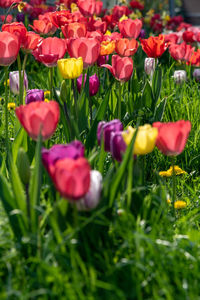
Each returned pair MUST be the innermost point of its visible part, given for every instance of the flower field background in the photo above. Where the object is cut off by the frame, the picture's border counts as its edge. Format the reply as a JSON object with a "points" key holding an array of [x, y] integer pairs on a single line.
{"points": [[99, 152]]}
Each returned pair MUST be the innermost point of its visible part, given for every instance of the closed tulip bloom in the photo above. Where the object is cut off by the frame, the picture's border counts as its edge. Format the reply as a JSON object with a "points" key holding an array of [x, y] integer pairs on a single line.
{"points": [[172, 136], [180, 76], [17, 29], [72, 177], [34, 95], [9, 48], [126, 47], [196, 74], [117, 145], [74, 30], [130, 28], [145, 139], [122, 67], [14, 82], [87, 48], [43, 27], [154, 46], [104, 131], [91, 199], [70, 68], [50, 50], [93, 84], [181, 51], [87, 8], [73, 150], [149, 65], [39, 116]]}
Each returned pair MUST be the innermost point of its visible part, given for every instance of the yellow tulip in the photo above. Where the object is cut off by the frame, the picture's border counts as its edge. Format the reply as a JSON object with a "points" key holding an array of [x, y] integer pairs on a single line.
{"points": [[145, 139], [70, 68]]}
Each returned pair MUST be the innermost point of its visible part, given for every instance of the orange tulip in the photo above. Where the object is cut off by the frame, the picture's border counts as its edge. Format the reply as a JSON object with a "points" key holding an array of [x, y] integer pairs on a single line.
{"points": [[154, 46], [107, 47], [74, 30], [126, 47]]}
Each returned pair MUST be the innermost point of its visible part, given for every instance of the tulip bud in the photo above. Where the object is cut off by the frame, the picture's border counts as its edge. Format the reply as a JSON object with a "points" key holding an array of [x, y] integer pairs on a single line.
{"points": [[63, 91], [23, 166], [93, 84], [91, 199], [196, 74], [149, 65], [180, 76], [14, 82], [34, 95], [117, 145]]}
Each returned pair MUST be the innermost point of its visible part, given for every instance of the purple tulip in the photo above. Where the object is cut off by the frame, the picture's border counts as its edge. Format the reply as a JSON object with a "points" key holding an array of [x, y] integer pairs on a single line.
{"points": [[14, 82], [102, 60], [196, 74], [91, 199], [74, 150], [20, 17], [34, 95], [117, 145], [93, 84], [105, 129], [142, 34]]}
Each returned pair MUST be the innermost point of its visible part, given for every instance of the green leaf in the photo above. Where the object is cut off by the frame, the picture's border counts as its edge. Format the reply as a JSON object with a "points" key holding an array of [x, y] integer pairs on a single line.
{"points": [[159, 110], [35, 185], [147, 96], [18, 142], [156, 84]]}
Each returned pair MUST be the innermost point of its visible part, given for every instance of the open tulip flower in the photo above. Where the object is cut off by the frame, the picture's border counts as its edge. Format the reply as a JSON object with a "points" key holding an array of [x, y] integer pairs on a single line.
{"points": [[126, 47], [122, 67], [145, 139], [70, 68], [154, 46], [74, 30], [39, 117], [16, 28], [172, 136]]}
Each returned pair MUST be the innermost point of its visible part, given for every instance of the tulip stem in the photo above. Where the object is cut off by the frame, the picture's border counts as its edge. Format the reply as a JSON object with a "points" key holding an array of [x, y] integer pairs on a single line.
{"points": [[6, 109], [90, 106], [51, 82], [75, 99], [119, 101], [173, 183], [20, 80]]}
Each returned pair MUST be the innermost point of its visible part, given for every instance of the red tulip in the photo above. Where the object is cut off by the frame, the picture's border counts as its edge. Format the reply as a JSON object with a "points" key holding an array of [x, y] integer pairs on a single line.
{"points": [[97, 25], [72, 177], [87, 8], [44, 27], [31, 41], [181, 52], [86, 48], [122, 68], [50, 50], [95, 35], [126, 47], [74, 30], [9, 48], [17, 29], [37, 116], [172, 136], [130, 28], [154, 46], [189, 36], [60, 18], [119, 11]]}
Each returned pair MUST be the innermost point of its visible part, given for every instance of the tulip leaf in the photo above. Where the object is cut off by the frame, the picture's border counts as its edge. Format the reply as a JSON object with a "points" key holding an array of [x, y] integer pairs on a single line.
{"points": [[19, 140], [91, 137], [10, 206], [35, 185], [156, 84], [159, 110], [116, 181], [147, 96]]}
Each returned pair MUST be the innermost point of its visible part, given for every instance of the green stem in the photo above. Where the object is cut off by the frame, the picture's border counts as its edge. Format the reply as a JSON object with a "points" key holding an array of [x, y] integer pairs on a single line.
{"points": [[75, 100], [6, 109], [119, 101], [23, 71], [20, 80], [90, 106], [51, 82], [173, 183]]}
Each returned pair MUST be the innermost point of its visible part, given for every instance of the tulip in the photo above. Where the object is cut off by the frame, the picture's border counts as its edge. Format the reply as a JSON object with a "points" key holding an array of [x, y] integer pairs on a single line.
{"points": [[102, 60], [87, 48], [130, 28], [154, 46], [122, 68], [74, 30], [107, 47], [34, 95], [180, 76], [117, 145], [50, 50], [196, 74], [189, 36], [104, 131], [172, 136], [14, 82], [18, 29], [91, 199], [95, 35], [87, 8], [39, 117], [72, 177], [126, 47], [44, 27], [145, 139], [181, 52], [9, 48], [149, 65], [93, 84], [70, 68], [31, 42], [73, 150]]}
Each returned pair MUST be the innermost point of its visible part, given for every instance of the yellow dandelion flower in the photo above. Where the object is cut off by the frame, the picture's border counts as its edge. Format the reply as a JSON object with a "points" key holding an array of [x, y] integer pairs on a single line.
{"points": [[46, 100], [11, 106], [180, 204], [169, 173], [168, 201], [47, 94], [8, 82]]}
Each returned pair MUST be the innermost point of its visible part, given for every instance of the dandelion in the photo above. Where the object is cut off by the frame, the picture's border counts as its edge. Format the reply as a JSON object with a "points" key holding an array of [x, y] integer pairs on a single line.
{"points": [[11, 106], [180, 204], [46, 94], [46, 100], [169, 173]]}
